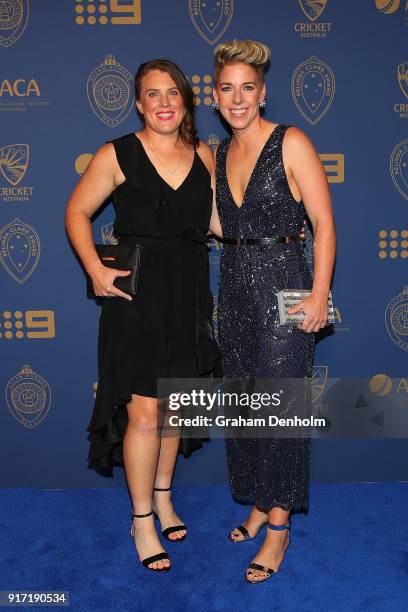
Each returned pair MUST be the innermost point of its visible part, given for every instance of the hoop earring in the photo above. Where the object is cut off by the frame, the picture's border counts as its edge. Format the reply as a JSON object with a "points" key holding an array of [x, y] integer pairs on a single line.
{"points": [[214, 104], [262, 104]]}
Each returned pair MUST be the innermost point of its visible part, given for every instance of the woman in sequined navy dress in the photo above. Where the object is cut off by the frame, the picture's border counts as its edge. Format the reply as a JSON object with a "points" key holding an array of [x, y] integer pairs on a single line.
{"points": [[268, 176]]}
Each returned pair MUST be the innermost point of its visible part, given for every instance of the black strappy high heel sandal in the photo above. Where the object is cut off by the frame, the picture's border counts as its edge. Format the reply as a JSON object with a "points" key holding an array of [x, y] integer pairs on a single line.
{"points": [[169, 530], [260, 568], [244, 531], [159, 557]]}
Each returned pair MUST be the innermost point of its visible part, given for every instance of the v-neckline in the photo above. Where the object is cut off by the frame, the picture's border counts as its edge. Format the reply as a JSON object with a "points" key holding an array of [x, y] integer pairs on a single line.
{"points": [[158, 173], [253, 169]]}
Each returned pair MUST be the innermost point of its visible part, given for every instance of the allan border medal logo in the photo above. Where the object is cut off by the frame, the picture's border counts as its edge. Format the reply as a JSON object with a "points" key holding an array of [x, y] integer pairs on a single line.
{"points": [[110, 92], [19, 249], [313, 86], [396, 319], [211, 18], [399, 167], [28, 397], [13, 20]]}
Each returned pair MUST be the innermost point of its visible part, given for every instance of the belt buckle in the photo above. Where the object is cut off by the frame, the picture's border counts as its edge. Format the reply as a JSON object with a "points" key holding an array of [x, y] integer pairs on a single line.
{"points": [[239, 241]]}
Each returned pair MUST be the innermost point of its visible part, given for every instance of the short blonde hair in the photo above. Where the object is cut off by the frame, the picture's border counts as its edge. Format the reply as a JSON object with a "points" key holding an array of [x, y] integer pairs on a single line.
{"points": [[250, 52]]}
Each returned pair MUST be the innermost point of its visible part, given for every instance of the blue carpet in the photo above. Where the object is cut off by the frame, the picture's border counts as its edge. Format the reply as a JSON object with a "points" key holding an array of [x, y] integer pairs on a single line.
{"points": [[350, 553]]}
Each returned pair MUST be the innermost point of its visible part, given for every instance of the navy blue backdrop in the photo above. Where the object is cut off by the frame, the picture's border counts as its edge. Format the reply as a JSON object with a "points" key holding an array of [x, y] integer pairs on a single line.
{"points": [[339, 71]]}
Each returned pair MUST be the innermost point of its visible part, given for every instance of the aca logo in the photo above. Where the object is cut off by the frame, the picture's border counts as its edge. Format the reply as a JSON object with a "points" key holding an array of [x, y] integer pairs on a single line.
{"points": [[211, 18], [213, 141], [199, 88], [13, 166], [20, 94], [115, 12], [19, 249], [382, 385], [402, 76], [28, 397], [31, 324], [393, 244], [110, 91], [313, 86], [399, 167], [313, 9], [82, 162], [13, 20], [396, 319]]}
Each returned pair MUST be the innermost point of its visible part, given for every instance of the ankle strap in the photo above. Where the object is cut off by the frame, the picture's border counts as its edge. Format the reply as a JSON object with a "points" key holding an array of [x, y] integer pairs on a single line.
{"points": [[277, 527], [141, 515], [158, 489]]}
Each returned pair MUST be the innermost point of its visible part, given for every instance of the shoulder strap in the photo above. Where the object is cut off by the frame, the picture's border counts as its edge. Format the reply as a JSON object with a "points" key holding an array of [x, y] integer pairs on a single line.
{"points": [[127, 153]]}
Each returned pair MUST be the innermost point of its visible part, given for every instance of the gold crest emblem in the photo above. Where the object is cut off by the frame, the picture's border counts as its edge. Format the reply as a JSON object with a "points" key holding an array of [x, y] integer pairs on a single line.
{"points": [[313, 86], [402, 74], [28, 397], [396, 319], [211, 18], [19, 249], [13, 20], [313, 8], [14, 162], [110, 91]]}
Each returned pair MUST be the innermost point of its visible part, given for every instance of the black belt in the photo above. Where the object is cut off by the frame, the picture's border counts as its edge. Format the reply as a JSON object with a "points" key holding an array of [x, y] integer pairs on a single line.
{"points": [[267, 241]]}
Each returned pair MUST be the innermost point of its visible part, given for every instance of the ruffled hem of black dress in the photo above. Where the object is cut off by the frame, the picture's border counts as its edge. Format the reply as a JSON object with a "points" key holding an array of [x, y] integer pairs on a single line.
{"points": [[109, 420]]}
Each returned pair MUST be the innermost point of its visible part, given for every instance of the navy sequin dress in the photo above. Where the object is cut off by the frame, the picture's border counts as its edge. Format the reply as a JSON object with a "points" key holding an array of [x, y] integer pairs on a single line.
{"points": [[271, 471]]}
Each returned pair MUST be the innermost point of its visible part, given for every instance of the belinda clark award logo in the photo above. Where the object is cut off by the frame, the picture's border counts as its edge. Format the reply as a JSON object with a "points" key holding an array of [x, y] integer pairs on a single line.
{"points": [[313, 86], [19, 249], [110, 91], [211, 18]]}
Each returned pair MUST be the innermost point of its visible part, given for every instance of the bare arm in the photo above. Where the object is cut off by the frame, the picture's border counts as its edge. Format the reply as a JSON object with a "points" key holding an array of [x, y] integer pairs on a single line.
{"points": [[305, 168], [99, 180], [207, 157]]}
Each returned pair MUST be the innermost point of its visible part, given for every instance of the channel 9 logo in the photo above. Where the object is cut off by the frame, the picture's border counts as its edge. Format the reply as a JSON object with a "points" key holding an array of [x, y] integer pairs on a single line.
{"points": [[104, 12], [31, 324]]}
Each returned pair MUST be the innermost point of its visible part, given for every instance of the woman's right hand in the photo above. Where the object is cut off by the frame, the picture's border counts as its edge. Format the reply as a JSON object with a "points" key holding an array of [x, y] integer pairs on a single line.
{"points": [[102, 281]]}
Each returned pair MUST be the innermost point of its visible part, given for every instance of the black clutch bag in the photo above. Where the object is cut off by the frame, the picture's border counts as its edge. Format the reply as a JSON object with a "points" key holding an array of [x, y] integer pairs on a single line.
{"points": [[120, 257]]}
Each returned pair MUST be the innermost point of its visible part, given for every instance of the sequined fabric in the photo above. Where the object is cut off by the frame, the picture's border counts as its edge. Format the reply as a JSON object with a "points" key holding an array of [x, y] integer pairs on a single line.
{"points": [[272, 471]]}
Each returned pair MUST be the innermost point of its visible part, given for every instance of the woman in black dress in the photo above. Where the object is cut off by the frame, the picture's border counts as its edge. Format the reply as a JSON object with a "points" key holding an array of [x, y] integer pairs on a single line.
{"points": [[160, 181], [268, 176]]}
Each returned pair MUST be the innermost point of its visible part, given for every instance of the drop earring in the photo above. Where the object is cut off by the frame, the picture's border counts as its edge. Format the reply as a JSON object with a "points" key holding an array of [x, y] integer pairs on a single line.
{"points": [[214, 104], [262, 104]]}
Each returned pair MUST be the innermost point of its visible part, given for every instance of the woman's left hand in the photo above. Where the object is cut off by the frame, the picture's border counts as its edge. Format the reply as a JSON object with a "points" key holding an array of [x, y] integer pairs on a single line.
{"points": [[316, 312]]}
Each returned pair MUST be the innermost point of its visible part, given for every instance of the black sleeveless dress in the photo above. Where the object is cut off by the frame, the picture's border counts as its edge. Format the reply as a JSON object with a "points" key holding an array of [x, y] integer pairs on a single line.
{"points": [[270, 471], [166, 330]]}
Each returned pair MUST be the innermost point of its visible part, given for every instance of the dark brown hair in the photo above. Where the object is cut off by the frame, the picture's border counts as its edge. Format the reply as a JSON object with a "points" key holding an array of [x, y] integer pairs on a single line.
{"points": [[187, 128]]}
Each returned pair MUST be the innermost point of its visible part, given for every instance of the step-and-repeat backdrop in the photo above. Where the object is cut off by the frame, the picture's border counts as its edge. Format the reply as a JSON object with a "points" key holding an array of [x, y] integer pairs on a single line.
{"points": [[339, 71]]}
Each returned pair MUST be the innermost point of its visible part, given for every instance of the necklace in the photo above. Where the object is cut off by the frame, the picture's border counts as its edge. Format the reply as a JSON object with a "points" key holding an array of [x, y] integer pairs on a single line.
{"points": [[162, 163]]}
